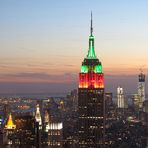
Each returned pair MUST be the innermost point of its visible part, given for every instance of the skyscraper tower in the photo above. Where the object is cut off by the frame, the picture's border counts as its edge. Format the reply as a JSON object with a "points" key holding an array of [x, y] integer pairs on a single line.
{"points": [[141, 88], [10, 128], [91, 99], [38, 116], [120, 98]]}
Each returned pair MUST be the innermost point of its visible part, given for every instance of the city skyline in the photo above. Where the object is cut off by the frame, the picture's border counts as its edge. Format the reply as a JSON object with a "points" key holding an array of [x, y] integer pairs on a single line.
{"points": [[43, 44]]}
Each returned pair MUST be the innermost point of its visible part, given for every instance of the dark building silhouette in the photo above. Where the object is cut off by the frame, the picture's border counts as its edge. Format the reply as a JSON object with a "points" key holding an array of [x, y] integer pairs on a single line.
{"points": [[91, 99], [25, 131]]}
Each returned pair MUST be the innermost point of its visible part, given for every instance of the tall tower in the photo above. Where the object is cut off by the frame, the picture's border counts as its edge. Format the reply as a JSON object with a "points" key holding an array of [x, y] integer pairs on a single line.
{"points": [[91, 99], [141, 88], [120, 98], [38, 116]]}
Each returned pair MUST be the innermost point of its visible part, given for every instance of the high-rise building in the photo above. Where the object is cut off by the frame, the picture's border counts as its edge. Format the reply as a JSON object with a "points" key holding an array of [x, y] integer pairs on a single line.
{"points": [[10, 130], [141, 88], [120, 98], [55, 135], [38, 116], [38, 126], [91, 99], [25, 131], [53, 132]]}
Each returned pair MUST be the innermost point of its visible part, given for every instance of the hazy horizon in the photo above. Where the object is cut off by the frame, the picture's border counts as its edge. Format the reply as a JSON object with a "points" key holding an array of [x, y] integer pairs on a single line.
{"points": [[128, 82]]}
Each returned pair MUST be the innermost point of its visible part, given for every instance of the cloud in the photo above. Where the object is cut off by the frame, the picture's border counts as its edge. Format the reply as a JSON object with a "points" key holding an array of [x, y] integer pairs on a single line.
{"points": [[56, 88], [44, 82], [38, 77]]}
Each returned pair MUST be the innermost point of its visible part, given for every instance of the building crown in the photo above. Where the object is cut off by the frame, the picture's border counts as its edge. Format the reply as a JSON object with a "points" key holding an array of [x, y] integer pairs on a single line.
{"points": [[91, 51], [10, 124]]}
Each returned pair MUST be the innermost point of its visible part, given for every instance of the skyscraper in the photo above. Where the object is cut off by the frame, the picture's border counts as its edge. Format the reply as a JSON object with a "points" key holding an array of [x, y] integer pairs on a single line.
{"points": [[38, 126], [91, 99], [55, 134], [10, 131], [141, 88], [120, 98]]}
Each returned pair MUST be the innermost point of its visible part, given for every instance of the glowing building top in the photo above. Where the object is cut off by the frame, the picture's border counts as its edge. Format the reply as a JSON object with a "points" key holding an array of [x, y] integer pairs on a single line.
{"points": [[38, 115], [10, 124], [56, 126], [91, 51], [91, 70], [91, 99]]}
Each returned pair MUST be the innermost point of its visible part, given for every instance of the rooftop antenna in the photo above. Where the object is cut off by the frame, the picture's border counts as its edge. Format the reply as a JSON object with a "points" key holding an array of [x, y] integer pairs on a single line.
{"points": [[91, 28]]}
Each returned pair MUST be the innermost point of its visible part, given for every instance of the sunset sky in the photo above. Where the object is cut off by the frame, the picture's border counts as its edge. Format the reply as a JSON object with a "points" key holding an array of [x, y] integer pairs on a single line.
{"points": [[43, 42]]}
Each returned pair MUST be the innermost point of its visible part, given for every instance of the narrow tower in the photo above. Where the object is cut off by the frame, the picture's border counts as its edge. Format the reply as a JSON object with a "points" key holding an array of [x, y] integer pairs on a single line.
{"points": [[91, 99], [38, 116], [120, 98], [141, 88]]}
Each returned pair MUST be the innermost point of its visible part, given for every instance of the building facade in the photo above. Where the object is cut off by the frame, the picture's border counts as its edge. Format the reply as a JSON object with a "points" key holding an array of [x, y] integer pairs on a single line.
{"points": [[10, 128], [55, 135]]}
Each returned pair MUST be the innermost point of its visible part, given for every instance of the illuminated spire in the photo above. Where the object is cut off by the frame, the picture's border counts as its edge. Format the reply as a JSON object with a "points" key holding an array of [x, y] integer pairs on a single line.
{"points": [[10, 124], [91, 28], [38, 115], [91, 52]]}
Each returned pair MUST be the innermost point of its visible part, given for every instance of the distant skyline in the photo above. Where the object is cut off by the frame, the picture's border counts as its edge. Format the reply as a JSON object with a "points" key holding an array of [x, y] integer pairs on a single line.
{"points": [[43, 43]]}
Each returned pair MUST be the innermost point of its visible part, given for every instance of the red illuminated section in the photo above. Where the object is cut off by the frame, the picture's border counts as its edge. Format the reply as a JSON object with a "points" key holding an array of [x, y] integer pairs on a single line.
{"points": [[91, 80]]}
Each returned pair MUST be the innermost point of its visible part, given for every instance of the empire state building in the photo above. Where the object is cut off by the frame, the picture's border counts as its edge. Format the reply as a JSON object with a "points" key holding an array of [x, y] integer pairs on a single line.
{"points": [[91, 99]]}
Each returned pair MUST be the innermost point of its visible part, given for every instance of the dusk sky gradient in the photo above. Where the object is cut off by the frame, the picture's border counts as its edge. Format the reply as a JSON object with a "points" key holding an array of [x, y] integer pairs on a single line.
{"points": [[43, 42]]}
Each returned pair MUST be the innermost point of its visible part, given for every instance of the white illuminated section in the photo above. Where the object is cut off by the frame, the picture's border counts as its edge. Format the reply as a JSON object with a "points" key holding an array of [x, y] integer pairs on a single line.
{"points": [[54, 126], [120, 97]]}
